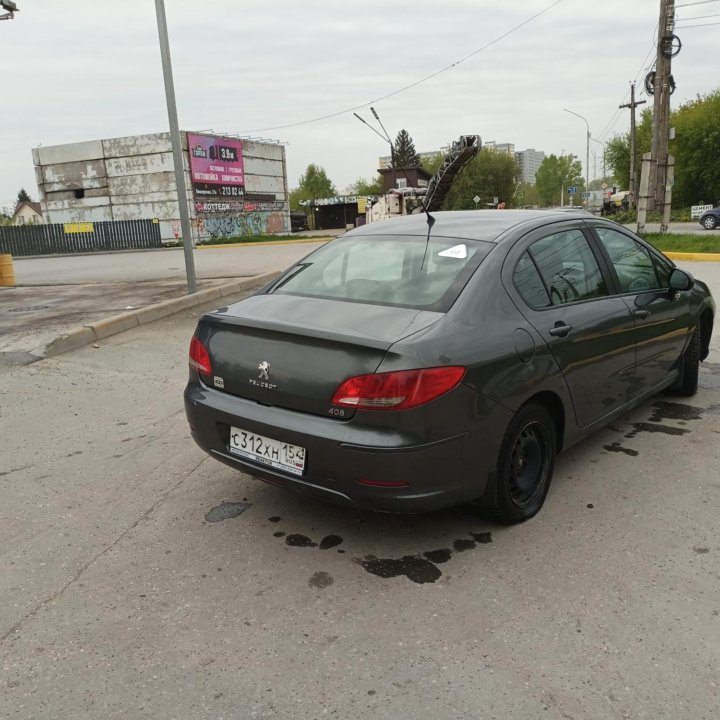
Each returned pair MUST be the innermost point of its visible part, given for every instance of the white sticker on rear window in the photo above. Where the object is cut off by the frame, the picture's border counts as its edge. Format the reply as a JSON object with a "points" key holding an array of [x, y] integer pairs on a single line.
{"points": [[456, 251]]}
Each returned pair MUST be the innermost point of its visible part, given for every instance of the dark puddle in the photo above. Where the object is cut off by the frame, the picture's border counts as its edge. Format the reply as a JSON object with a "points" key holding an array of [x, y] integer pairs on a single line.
{"points": [[321, 580], [674, 411], [296, 540], [330, 541], [422, 568], [226, 510], [639, 427], [617, 447]]}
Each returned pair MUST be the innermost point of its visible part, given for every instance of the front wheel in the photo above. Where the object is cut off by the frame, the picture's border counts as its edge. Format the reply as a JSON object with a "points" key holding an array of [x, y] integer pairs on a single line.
{"points": [[525, 464], [710, 222]]}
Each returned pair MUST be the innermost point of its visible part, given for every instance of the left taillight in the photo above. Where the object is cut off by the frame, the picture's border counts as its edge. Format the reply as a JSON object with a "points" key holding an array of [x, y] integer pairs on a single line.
{"points": [[200, 358], [399, 390]]}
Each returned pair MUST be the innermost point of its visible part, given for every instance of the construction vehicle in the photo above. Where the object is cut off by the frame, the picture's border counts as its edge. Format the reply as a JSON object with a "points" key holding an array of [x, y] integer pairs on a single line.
{"points": [[406, 201]]}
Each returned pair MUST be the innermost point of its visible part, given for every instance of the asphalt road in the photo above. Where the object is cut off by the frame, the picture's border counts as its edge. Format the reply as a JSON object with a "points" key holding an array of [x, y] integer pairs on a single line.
{"points": [[141, 579]]}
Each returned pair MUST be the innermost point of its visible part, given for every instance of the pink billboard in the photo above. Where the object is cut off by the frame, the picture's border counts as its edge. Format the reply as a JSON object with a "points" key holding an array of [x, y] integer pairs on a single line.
{"points": [[216, 166]]}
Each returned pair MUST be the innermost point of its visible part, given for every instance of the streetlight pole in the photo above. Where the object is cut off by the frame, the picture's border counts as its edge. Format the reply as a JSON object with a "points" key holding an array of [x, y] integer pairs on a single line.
{"points": [[587, 148], [176, 145]]}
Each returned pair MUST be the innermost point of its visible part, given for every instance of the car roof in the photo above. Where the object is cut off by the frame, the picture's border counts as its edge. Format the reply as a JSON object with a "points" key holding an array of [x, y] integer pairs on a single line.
{"points": [[487, 225]]}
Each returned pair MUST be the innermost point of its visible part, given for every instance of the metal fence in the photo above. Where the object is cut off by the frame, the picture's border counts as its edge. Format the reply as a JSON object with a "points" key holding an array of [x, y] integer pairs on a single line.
{"points": [[81, 237]]}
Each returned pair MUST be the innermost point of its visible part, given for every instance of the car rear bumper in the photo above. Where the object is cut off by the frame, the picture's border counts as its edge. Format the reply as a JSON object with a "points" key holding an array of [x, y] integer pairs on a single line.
{"points": [[450, 468]]}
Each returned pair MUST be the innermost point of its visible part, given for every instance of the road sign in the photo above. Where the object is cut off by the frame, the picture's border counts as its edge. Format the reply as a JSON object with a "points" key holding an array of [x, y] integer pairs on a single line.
{"points": [[586, 195], [476, 199], [572, 190], [604, 186]]}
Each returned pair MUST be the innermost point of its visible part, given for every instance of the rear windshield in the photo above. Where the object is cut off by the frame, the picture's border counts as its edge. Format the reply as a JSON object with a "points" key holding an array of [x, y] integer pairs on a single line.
{"points": [[388, 270]]}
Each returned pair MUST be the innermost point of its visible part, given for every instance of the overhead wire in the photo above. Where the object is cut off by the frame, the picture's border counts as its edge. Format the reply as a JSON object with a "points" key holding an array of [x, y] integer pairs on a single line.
{"points": [[413, 84], [685, 27]]}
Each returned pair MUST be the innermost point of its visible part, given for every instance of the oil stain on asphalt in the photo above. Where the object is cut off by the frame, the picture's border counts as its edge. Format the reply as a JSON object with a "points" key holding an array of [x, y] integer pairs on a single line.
{"points": [[226, 510]]}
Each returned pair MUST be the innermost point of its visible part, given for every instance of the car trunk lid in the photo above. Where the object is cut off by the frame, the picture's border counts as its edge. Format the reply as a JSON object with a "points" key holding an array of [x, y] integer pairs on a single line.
{"points": [[293, 352]]}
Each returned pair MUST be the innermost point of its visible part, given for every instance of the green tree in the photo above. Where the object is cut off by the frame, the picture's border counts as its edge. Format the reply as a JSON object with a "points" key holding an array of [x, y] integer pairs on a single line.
{"points": [[555, 175], [488, 175], [313, 184], [617, 151], [368, 187], [432, 164], [696, 148], [23, 196], [526, 195], [404, 151]]}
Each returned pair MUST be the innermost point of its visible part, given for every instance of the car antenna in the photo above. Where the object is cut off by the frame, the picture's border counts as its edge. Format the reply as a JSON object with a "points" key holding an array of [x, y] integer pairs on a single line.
{"points": [[430, 218]]}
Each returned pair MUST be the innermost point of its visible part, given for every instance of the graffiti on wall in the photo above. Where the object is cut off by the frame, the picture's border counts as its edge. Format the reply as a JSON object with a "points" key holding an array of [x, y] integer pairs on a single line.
{"points": [[231, 219]]}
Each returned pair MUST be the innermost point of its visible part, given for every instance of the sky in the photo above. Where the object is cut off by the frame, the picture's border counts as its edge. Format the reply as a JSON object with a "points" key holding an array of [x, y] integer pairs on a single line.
{"points": [[91, 69]]}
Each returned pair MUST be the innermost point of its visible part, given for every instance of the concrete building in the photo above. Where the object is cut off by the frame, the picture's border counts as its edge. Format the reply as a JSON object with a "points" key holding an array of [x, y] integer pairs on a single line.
{"points": [[234, 187], [507, 148], [529, 162]]}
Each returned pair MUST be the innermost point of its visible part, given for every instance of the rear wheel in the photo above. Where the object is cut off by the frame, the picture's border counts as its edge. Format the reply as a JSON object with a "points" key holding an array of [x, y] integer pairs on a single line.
{"points": [[710, 222], [525, 464], [687, 381]]}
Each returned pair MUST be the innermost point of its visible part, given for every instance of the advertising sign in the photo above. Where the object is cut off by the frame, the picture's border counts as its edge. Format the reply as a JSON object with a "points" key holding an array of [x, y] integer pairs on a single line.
{"points": [[216, 166]]}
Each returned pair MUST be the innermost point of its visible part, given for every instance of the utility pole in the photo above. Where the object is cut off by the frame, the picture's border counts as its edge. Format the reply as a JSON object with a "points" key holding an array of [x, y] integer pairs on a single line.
{"points": [[661, 111], [633, 153]]}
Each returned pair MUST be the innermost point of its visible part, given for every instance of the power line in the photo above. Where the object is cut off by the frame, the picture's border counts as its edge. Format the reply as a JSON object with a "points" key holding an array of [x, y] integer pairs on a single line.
{"points": [[699, 17], [411, 85], [700, 2], [616, 115], [684, 27]]}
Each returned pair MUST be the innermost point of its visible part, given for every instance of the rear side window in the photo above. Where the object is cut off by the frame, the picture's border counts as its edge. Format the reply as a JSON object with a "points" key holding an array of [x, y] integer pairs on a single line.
{"points": [[388, 270], [633, 263], [568, 267], [529, 284]]}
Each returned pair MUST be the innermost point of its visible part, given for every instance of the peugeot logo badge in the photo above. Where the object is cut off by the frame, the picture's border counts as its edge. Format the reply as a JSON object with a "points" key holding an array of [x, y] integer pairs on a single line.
{"points": [[264, 368]]}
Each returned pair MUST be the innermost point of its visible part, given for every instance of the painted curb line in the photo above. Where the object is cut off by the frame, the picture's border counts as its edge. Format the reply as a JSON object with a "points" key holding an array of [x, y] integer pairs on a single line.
{"points": [[101, 329], [697, 257]]}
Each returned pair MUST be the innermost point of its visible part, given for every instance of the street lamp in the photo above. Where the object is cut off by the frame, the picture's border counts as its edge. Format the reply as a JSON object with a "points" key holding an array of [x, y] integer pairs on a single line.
{"points": [[587, 148], [176, 145], [604, 147]]}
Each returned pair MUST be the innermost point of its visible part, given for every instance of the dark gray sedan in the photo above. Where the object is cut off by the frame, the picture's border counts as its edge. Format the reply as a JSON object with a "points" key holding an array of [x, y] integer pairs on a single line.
{"points": [[405, 367]]}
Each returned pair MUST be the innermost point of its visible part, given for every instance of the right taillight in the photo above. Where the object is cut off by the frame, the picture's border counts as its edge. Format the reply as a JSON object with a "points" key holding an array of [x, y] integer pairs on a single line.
{"points": [[200, 358], [399, 390]]}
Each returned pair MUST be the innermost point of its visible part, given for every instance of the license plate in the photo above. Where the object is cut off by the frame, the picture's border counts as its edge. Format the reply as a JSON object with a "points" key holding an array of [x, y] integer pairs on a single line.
{"points": [[266, 451]]}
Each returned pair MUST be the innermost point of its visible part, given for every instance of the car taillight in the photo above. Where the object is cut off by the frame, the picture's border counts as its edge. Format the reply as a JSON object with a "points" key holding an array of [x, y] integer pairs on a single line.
{"points": [[199, 357], [398, 390]]}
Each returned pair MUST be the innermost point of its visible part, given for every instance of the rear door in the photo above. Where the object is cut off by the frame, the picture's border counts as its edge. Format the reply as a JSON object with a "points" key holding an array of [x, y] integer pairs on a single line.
{"points": [[562, 290]]}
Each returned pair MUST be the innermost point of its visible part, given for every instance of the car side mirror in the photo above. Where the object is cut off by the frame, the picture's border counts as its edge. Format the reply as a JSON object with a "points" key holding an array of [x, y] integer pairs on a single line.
{"points": [[681, 280]]}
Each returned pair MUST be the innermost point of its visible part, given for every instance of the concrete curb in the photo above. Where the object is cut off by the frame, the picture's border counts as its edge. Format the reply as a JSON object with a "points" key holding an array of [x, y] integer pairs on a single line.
{"points": [[697, 257], [299, 241], [86, 334]]}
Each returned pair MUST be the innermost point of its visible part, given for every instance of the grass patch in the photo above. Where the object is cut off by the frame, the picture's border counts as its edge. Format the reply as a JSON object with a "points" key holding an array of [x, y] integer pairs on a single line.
{"points": [[671, 242]]}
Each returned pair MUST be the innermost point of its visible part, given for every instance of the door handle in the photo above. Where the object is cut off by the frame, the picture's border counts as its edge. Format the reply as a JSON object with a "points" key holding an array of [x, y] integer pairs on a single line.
{"points": [[641, 313], [560, 329]]}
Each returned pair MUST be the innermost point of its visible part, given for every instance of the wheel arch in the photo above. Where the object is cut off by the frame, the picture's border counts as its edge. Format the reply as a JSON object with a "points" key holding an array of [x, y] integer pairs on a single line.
{"points": [[554, 406], [706, 328]]}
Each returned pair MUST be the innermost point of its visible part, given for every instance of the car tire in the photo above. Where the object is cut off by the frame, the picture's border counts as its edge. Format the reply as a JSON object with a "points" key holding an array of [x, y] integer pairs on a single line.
{"points": [[525, 465], [710, 222], [687, 381]]}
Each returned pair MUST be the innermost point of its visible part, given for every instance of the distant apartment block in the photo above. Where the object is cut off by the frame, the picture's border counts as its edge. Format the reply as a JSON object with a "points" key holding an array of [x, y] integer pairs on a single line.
{"points": [[385, 160], [529, 162], [507, 148]]}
